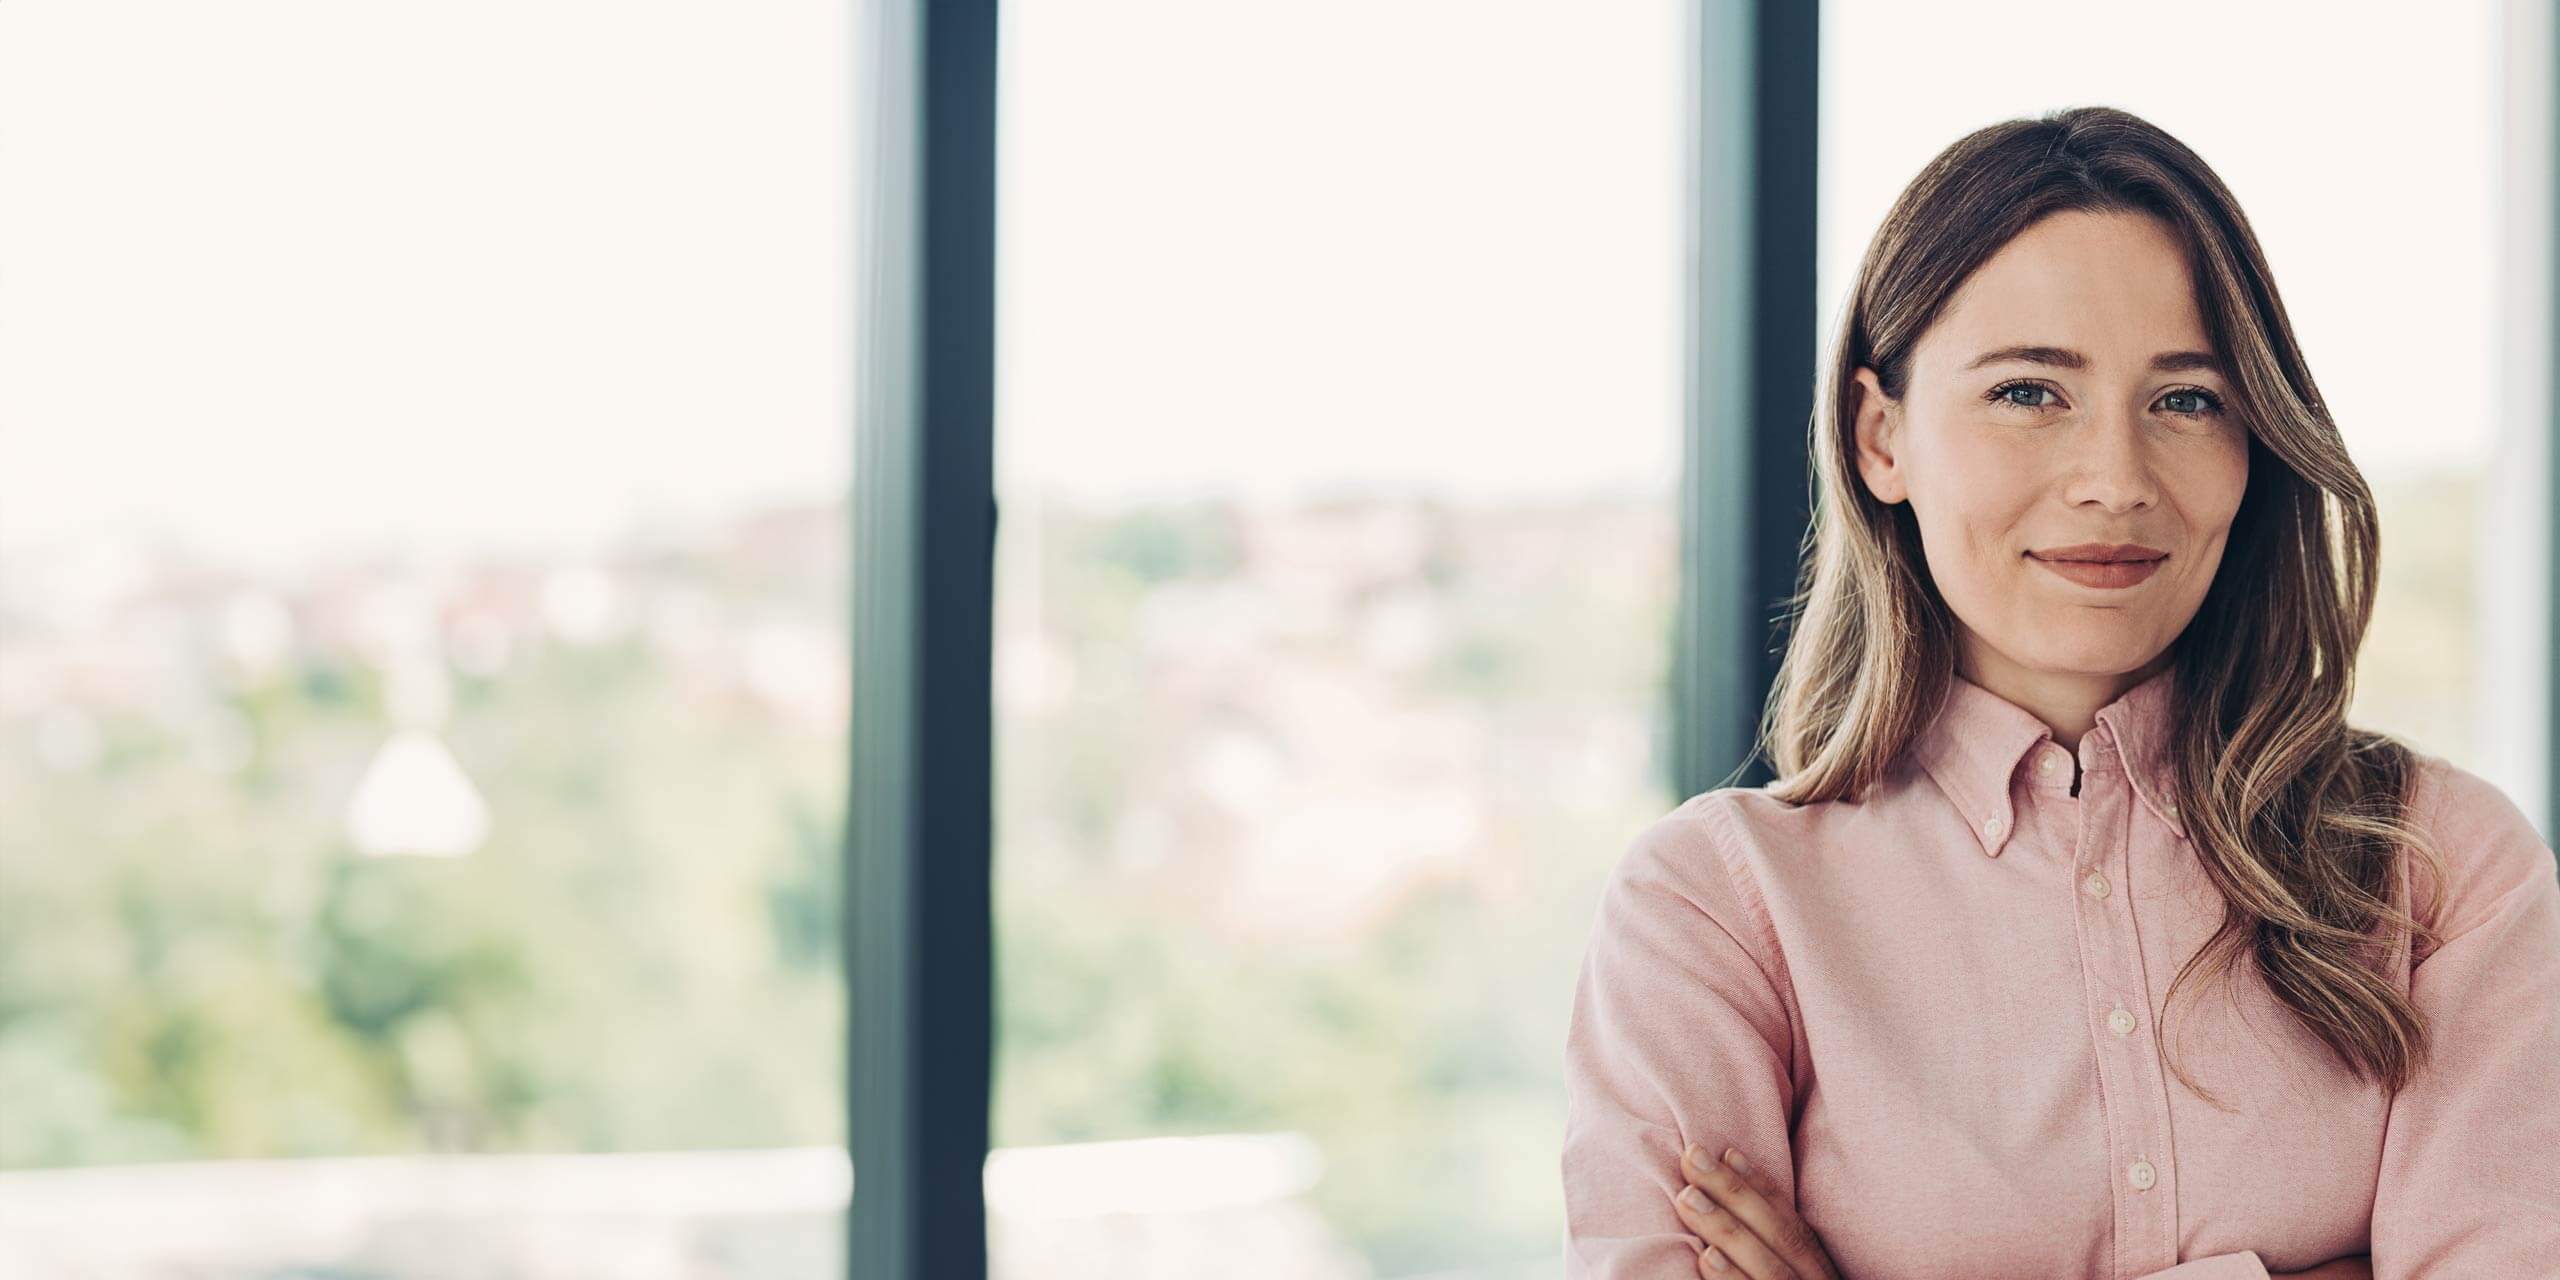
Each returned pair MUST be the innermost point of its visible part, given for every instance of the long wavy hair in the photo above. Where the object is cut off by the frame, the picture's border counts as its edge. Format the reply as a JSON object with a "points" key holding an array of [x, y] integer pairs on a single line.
{"points": [[2297, 817]]}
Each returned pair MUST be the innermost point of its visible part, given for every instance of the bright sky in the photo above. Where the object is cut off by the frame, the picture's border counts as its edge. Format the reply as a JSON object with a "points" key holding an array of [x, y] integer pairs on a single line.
{"points": [[296, 276], [284, 277]]}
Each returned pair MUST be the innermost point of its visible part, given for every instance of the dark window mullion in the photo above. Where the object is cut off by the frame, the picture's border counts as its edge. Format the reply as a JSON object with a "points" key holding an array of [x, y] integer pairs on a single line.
{"points": [[1754, 93], [917, 935]]}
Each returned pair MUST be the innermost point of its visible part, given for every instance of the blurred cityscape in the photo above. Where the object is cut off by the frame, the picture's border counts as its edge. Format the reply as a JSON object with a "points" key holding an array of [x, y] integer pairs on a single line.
{"points": [[387, 859], [479, 919]]}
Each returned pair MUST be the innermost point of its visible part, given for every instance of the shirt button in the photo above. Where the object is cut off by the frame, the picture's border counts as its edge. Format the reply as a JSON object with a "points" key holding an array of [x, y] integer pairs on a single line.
{"points": [[1990, 826], [2095, 886], [2139, 1175], [2120, 1022], [2048, 765]]}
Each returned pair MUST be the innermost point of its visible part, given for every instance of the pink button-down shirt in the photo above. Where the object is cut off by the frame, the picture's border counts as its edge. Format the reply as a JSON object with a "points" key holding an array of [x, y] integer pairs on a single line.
{"points": [[1927, 1018]]}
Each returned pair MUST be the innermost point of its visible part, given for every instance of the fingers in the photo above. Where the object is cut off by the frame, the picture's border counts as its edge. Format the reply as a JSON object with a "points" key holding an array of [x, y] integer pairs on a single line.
{"points": [[1742, 1255], [1774, 1228]]}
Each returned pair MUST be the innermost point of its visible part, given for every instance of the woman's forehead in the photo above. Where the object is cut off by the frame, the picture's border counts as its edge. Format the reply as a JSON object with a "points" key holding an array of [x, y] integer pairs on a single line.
{"points": [[2118, 297]]}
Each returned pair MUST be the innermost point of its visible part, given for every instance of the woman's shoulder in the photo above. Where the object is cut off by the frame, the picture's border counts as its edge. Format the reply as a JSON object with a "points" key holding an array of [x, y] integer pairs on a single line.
{"points": [[1688, 878], [1692, 854], [2490, 848], [1716, 846]]}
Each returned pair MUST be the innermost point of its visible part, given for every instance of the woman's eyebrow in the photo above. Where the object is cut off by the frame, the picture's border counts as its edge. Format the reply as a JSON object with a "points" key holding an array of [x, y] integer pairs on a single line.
{"points": [[2066, 358]]}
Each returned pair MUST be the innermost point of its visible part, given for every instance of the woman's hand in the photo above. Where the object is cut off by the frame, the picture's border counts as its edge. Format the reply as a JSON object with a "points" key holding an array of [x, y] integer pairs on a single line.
{"points": [[1746, 1234]]}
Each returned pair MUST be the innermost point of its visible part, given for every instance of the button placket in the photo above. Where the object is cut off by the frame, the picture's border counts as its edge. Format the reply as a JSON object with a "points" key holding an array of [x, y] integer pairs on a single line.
{"points": [[2131, 1082]]}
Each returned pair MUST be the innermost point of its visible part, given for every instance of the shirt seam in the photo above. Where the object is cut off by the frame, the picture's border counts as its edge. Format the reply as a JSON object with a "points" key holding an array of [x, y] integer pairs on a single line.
{"points": [[1775, 966]]}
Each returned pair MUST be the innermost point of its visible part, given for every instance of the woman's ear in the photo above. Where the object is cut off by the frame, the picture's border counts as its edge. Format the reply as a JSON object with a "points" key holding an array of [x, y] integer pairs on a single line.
{"points": [[1878, 434]]}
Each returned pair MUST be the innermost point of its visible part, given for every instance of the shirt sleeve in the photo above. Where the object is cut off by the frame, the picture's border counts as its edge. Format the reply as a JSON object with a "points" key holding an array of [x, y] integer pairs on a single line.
{"points": [[2470, 1181], [2244, 1265], [1680, 1032]]}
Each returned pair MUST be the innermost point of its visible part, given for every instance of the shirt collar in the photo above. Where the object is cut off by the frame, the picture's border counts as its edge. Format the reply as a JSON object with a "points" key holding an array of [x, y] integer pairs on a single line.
{"points": [[1976, 742]]}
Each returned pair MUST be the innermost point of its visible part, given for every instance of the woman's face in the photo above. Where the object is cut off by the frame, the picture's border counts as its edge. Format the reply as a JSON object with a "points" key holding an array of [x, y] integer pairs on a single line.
{"points": [[2067, 395]]}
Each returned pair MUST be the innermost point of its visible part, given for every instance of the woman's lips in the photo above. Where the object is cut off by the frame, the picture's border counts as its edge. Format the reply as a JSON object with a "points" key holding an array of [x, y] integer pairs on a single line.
{"points": [[2093, 573]]}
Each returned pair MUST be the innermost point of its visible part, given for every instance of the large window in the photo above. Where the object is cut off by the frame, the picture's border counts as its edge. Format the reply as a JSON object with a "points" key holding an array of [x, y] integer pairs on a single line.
{"points": [[1339, 402], [424, 579], [422, 645]]}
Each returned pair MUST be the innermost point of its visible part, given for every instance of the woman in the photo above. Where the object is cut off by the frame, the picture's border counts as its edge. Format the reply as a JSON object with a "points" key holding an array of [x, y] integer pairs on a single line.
{"points": [[2059, 735]]}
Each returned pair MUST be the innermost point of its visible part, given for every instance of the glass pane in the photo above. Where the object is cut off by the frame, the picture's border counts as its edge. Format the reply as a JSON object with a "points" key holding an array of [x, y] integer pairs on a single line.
{"points": [[2394, 226], [1338, 442], [423, 676]]}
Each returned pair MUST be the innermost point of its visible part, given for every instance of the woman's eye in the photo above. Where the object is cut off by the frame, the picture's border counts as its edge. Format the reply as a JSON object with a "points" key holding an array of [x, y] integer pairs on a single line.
{"points": [[2189, 402], [2205, 401], [2009, 393]]}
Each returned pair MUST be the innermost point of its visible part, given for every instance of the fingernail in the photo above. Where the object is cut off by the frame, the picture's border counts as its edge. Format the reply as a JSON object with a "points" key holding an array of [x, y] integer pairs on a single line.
{"points": [[1734, 1158], [1696, 1155], [1691, 1197], [1715, 1258]]}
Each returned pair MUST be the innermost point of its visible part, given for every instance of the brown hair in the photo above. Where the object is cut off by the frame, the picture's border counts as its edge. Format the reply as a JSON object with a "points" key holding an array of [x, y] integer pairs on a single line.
{"points": [[2296, 816]]}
